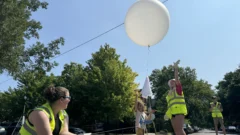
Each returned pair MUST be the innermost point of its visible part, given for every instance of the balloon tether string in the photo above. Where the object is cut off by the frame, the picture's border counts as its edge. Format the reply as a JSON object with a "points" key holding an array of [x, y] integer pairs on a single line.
{"points": [[148, 58]]}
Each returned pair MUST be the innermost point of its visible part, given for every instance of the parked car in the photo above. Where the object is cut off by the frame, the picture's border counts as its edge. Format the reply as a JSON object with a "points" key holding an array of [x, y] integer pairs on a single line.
{"points": [[231, 129], [10, 127], [98, 127], [3, 131], [76, 130], [238, 129], [196, 129], [188, 129]]}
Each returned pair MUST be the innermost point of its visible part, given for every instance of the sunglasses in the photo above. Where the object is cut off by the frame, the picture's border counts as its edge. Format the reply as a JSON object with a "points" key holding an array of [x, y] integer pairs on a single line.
{"points": [[69, 97]]}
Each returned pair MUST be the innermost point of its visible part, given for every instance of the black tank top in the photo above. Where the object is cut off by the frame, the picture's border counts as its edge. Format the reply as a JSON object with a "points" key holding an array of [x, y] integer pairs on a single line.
{"points": [[58, 125]]}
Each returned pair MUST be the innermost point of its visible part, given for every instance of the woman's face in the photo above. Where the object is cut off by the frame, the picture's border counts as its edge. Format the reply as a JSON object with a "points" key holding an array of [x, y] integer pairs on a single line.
{"points": [[65, 100], [214, 99], [172, 83], [140, 107]]}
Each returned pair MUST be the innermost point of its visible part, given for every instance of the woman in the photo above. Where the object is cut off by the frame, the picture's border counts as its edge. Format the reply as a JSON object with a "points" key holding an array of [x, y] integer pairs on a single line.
{"points": [[50, 118], [177, 109], [141, 118], [216, 109]]}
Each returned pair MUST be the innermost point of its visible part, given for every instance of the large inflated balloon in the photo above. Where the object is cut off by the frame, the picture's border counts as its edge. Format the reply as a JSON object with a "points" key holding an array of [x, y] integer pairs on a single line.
{"points": [[147, 22]]}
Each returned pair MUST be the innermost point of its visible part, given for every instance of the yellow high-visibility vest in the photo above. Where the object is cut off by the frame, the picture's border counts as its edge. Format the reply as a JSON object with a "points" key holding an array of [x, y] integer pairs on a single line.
{"points": [[28, 129], [216, 113], [176, 104]]}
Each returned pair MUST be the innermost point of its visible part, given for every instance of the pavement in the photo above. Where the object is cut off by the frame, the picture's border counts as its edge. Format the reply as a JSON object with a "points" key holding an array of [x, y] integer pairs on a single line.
{"points": [[211, 132], [201, 132]]}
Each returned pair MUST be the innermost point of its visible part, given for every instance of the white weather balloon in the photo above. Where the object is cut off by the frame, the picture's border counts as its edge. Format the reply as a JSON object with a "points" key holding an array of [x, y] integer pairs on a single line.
{"points": [[147, 22]]}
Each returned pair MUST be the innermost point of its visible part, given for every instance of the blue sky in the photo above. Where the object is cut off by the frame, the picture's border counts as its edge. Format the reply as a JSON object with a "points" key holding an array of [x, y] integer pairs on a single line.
{"points": [[203, 35]]}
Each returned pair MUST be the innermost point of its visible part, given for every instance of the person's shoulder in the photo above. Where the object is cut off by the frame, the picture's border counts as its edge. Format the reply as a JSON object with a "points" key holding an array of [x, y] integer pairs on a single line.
{"points": [[178, 82], [36, 116], [38, 113]]}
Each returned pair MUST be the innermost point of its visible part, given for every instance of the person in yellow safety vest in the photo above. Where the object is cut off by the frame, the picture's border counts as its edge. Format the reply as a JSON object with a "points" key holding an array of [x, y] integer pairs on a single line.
{"points": [[50, 118], [177, 109], [216, 109]]}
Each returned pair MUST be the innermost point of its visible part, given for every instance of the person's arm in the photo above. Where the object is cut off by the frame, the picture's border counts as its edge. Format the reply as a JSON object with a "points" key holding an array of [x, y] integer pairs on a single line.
{"points": [[178, 84], [136, 102], [65, 130], [176, 71], [168, 115], [148, 117], [220, 107], [41, 122], [211, 107]]}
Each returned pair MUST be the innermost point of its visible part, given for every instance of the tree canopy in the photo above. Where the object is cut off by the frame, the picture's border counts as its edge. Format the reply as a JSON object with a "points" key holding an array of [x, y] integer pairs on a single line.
{"points": [[16, 27], [229, 95], [102, 90]]}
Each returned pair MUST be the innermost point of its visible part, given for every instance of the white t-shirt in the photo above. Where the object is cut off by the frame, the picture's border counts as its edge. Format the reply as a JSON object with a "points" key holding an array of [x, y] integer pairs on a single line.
{"points": [[137, 120]]}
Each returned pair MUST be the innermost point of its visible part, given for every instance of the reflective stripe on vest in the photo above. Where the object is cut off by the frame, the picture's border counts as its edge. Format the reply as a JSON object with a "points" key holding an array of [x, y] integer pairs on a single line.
{"points": [[176, 97], [31, 131]]}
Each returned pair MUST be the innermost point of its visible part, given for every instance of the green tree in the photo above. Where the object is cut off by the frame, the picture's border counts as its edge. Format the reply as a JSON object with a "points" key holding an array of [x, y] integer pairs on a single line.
{"points": [[9, 105], [111, 85], [74, 78], [229, 94], [16, 26], [30, 85], [102, 91], [197, 93], [28, 65]]}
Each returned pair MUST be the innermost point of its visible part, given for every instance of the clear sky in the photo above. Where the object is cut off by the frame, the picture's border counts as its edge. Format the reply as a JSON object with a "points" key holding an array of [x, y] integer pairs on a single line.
{"points": [[203, 34]]}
